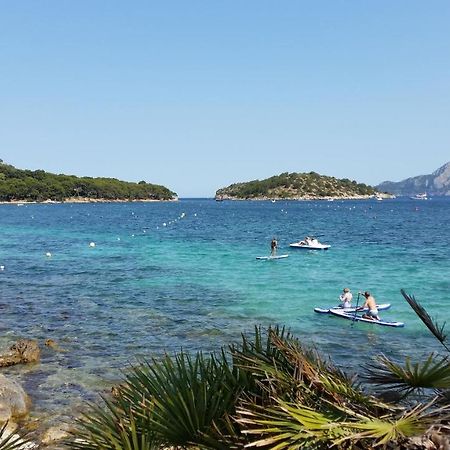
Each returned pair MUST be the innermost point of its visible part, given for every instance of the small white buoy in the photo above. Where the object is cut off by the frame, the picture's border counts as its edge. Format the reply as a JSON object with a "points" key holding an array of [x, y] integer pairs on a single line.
{"points": [[92, 244], [183, 214], [195, 215], [48, 255], [2, 267], [118, 239], [132, 235], [164, 224]]}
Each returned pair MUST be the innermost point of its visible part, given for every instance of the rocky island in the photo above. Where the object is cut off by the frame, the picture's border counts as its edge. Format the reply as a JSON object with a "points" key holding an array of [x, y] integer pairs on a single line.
{"points": [[298, 186], [17, 185]]}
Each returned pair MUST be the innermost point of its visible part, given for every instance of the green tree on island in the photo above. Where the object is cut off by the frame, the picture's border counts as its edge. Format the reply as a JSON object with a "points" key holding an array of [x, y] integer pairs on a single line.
{"points": [[38, 185]]}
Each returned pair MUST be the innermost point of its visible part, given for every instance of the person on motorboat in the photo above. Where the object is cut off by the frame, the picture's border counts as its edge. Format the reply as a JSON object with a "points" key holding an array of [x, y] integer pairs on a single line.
{"points": [[273, 247], [371, 305], [346, 298]]}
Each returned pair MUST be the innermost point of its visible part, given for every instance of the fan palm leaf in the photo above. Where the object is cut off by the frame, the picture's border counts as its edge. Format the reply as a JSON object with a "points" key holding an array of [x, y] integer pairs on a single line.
{"points": [[286, 426], [188, 396], [436, 329], [10, 441], [433, 373], [115, 427], [291, 425], [413, 422]]}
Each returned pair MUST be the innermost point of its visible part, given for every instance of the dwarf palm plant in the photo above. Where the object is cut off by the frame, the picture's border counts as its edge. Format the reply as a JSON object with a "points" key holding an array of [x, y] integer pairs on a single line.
{"points": [[312, 404], [430, 376], [269, 392], [179, 401]]}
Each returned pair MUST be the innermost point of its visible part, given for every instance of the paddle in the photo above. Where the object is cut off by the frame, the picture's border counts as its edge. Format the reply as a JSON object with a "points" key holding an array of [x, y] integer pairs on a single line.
{"points": [[356, 309]]}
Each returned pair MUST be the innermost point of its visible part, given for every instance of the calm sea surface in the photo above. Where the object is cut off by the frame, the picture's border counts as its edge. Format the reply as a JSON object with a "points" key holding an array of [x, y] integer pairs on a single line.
{"points": [[166, 276]]}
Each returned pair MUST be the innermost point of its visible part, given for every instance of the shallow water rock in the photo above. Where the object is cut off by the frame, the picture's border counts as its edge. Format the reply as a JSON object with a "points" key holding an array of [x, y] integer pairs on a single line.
{"points": [[55, 434], [53, 345], [22, 352], [14, 402]]}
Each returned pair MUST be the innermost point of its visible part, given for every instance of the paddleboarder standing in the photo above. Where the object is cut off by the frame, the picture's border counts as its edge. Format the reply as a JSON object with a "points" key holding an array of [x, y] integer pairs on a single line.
{"points": [[273, 247]]}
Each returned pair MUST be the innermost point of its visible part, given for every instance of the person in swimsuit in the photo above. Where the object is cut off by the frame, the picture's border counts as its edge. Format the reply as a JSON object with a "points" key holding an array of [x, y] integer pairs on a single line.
{"points": [[346, 298], [371, 305], [273, 247]]}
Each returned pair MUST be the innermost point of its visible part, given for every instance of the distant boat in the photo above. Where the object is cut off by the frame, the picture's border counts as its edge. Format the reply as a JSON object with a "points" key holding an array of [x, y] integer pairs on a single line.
{"points": [[420, 196], [310, 243], [378, 197]]}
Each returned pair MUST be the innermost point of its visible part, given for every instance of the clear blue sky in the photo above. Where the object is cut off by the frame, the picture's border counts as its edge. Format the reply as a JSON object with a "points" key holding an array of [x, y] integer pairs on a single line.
{"points": [[196, 95]]}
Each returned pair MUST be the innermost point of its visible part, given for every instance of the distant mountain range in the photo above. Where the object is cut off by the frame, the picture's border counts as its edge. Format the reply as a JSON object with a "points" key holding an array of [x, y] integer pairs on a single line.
{"points": [[438, 184]]}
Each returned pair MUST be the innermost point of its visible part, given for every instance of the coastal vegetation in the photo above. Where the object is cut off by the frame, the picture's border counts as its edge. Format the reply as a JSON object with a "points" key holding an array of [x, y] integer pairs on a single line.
{"points": [[296, 186], [272, 392], [38, 185]]}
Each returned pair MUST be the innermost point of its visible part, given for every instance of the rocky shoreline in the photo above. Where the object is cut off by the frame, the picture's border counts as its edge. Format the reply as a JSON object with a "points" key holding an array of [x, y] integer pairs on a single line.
{"points": [[383, 196], [15, 403], [86, 200]]}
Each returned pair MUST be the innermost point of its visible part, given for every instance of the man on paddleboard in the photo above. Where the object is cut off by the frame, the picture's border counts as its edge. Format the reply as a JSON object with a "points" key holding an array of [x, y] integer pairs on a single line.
{"points": [[370, 303], [273, 247]]}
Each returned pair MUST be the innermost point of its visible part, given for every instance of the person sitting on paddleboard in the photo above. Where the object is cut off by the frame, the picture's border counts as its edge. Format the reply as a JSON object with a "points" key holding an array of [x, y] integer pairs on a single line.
{"points": [[370, 303], [346, 298], [273, 247]]}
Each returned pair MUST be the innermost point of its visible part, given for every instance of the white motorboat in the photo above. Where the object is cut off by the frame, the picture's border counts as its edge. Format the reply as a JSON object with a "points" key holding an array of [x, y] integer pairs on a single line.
{"points": [[420, 196], [310, 244]]}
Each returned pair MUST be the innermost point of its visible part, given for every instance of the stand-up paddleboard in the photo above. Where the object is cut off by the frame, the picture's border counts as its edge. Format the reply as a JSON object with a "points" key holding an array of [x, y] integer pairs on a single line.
{"points": [[380, 307], [357, 318], [267, 258]]}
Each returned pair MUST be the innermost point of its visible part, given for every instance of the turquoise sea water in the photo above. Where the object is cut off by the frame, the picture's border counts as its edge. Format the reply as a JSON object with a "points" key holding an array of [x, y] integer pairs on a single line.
{"points": [[194, 283]]}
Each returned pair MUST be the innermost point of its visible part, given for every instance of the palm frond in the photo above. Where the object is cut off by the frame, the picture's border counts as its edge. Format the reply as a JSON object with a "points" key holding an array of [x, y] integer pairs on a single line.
{"points": [[11, 441], [389, 429], [286, 426], [190, 396], [433, 373], [116, 427], [436, 329]]}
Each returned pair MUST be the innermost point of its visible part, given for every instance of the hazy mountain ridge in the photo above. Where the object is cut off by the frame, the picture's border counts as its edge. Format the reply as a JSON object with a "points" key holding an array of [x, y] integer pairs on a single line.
{"points": [[437, 184]]}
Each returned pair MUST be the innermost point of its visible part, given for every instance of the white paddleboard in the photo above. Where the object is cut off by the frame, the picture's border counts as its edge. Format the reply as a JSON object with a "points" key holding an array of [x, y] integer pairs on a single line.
{"points": [[380, 307], [358, 318], [272, 257]]}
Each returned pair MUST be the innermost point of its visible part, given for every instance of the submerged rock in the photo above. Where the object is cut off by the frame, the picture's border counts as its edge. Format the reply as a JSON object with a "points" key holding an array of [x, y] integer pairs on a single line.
{"points": [[55, 434], [14, 402], [53, 345], [22, 352]]}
